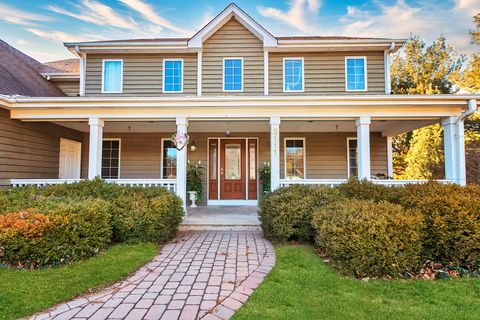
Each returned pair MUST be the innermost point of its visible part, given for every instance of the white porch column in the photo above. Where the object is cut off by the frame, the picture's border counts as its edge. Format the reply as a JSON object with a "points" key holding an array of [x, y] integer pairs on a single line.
{"points": [[363, 141], [389, 157], [274, 152], [460, 150], [95, 147], [182, 124], [449, 146]]}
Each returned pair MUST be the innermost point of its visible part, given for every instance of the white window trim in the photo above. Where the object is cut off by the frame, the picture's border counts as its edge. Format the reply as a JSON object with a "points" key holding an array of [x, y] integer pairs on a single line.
{"points": [[303, 73], [119, 153], [285, 157], [348, 155], [103, 75], [161, 158], [223, 73], [163, 75], [365, 75]]}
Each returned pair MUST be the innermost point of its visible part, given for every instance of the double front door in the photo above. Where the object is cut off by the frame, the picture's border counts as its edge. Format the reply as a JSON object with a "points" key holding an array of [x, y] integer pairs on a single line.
{"points": [[232, 169]]}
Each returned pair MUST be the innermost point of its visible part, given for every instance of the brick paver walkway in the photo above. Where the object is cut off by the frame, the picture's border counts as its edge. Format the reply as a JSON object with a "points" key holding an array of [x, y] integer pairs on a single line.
{"points": [[198, 275]]}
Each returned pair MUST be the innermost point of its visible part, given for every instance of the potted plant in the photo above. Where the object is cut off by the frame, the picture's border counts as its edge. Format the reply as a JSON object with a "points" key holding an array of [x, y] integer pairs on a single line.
{"points": [[194, 182]]}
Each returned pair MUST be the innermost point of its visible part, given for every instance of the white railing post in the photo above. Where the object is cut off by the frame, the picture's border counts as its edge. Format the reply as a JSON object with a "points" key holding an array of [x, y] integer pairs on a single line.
{"points": [[182, 124], [95, 147], [449, 146], [274, 153], [363, 140]]}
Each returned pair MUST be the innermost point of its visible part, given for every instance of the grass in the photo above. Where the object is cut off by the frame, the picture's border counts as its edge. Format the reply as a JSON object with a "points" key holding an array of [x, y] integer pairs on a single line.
{"points": [[301, 286], [24, 292]]}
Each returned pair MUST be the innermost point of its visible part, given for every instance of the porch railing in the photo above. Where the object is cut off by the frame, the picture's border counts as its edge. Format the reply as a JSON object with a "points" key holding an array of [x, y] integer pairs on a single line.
{"points": [[170, 184], [336, 182]]}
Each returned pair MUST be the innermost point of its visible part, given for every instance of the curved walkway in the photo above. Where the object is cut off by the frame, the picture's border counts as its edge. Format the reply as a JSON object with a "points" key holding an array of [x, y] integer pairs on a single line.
{"points": [[198, 275]]}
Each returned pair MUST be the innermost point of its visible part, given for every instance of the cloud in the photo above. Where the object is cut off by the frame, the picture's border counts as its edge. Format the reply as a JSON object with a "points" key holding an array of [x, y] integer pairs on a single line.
{"points": [[297, 14], [148, 12], [97, 13], [15, 16], [472, 6], [54, 35]]}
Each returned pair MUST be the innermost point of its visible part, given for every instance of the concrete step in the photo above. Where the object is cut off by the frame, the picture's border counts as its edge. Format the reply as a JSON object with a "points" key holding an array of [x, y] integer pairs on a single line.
{"points": [[219, 227]]}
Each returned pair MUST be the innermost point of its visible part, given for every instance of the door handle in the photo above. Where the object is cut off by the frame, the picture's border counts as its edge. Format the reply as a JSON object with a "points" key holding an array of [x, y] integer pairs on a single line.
{"points": [[221, 172]]}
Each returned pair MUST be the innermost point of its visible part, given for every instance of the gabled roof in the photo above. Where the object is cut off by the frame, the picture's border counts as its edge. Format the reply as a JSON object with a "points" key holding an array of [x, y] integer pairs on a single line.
{"points": [[19, 75], [61, 66], [223, 17]]}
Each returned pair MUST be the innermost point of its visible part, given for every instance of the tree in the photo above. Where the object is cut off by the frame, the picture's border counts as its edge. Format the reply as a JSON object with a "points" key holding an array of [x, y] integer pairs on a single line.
{"points": [[476, 32], [419, 69], [470, 80]]}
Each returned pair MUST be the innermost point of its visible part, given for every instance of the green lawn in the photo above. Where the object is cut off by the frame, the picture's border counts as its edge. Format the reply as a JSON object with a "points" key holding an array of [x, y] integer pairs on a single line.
{"points": [[25, 292], [301, 286]]}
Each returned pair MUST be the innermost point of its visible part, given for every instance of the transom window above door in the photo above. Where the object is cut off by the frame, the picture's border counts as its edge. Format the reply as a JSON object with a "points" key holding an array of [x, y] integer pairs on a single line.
{"points": [[295, 158], [112, 76], [172, 75], [293, 80], [356, 73], [233, 74]]}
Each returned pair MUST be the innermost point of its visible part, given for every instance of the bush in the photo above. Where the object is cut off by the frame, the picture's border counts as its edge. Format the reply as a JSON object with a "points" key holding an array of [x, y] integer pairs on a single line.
{"points": [[54, 233], [366, 190], [368, 239], [286, 213], [452, 221]]}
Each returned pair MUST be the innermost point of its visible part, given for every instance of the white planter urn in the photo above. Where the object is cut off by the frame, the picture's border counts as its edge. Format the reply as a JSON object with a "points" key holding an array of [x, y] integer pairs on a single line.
{"points": [[193, 198]]}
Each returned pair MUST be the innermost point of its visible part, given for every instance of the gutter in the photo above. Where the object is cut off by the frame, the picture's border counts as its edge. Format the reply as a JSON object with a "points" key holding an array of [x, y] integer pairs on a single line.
{"points": [[472, 107], [388, 80], [82, 67]]}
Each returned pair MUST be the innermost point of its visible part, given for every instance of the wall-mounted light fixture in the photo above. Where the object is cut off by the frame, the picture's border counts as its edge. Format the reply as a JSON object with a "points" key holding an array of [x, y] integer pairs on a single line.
{"points": [[193, 146]]}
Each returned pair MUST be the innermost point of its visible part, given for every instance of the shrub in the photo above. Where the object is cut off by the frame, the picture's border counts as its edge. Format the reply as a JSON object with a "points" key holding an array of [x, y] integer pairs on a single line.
{"points": [[452, 221], [286, 213], [366, 190], [54, 233], [369, 239]]}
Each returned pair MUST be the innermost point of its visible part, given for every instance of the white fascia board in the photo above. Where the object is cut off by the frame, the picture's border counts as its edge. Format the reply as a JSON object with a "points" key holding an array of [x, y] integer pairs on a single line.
{"points": [[232, 10]]}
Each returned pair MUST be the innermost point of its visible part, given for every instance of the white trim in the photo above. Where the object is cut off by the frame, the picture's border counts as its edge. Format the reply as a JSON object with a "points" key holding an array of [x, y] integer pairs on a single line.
{"points": [[103, 75], [303, 73], [163, 74], [365, 76], [232, 10], [161, 158], [390, 157], [348, 155], [223, 74], [79, 155], [199, 72], [266, 65], [285, 157], [388, 80], [119, 154], [232, 202]]}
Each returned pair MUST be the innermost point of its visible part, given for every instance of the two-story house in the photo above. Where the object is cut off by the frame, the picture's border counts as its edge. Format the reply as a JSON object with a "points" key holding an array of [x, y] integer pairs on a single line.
{"points": [[317, 109]]}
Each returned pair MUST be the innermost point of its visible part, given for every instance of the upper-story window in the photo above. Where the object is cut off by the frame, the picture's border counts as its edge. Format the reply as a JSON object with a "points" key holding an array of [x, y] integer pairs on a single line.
{"points": [[172, 75], [356, 73], [293, 80], [112, 76], [233, 74]]}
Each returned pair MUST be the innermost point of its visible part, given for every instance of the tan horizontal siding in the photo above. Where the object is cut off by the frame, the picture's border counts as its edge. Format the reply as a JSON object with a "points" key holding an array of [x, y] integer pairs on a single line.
{"points": [[142, 73], [232, 40], [325, 72], [30, 149], [69, 88]]}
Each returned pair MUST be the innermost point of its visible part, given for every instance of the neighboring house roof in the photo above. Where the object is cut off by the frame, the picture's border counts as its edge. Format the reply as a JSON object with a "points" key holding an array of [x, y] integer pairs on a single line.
{"points": [[19, 75], [61, 66]]}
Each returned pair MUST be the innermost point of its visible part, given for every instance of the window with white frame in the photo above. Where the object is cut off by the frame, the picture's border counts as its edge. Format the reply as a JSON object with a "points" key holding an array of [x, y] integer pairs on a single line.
{"points": [[233, 74], [352, 157], [172, 75], [169, 160], [294, 158], [356, 73], [111, 159], [293, 80], [112, 76]]}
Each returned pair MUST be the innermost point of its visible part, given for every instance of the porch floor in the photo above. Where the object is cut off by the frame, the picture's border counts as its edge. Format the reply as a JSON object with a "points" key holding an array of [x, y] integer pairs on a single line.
{"points": [[204, 217]]}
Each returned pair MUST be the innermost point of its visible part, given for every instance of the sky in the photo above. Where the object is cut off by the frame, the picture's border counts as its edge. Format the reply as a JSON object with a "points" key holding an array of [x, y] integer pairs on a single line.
{"points": [[40, 27]]}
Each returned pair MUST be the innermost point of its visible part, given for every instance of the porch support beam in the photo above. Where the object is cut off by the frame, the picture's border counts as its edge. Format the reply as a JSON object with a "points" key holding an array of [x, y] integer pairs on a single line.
{"points": [[460, 144], [450, 148], [95, 147], [274, 153], [363, 140], [182, 124], [390, 157]]}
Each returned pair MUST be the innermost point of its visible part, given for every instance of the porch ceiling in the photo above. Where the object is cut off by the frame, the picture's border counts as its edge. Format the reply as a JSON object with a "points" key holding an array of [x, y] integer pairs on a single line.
{"points": [[386, 127]]}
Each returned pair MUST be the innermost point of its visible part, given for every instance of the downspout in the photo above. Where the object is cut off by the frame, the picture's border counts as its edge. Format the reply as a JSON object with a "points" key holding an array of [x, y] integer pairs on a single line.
{"points": [[460, 137], [82, 70], [388, 81]]}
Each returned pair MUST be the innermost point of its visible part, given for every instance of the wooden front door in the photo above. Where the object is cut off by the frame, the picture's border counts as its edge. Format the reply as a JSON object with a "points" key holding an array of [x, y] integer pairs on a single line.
{"points": [[232, 169]]}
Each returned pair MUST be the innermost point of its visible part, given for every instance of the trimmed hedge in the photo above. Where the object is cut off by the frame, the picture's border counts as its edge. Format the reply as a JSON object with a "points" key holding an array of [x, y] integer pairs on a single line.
{"points": [[364, 238], [286, 213], [54, 233]]}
